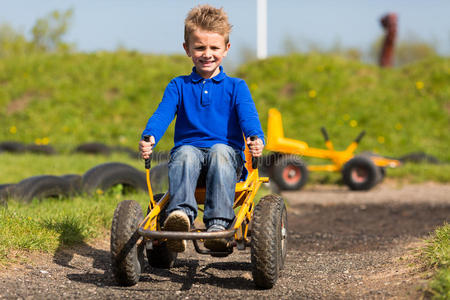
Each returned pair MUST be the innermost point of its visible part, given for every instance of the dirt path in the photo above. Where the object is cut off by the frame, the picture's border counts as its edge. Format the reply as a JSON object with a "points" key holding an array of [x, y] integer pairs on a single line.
{"points": [[343, 245]]}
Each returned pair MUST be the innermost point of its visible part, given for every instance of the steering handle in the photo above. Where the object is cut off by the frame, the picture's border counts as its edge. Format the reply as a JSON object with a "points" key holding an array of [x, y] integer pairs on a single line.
{"points": [[325, 134], [148, 161], [254, 159], [360, 136]]}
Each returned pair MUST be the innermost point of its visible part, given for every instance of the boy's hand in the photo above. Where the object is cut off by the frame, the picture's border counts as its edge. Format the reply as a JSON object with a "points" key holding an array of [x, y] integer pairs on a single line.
{"points": [[145, 148], [256, 147]]}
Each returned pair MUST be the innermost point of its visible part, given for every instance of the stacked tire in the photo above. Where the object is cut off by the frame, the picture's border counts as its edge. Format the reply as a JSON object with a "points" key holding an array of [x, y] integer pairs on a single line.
{"points": [[103, 177]]}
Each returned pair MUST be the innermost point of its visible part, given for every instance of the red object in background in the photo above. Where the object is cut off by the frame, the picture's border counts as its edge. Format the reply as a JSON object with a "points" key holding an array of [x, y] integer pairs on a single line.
{"points": [[389, 23]]}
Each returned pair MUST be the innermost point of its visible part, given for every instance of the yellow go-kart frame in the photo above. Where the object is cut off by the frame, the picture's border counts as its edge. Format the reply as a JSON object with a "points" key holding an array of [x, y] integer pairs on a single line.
{"points": [[132, 234], [245, 193], [357, 170]]}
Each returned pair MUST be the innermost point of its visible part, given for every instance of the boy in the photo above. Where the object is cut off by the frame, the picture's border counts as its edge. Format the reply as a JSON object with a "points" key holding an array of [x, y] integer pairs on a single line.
{"points": [[213, 112]]}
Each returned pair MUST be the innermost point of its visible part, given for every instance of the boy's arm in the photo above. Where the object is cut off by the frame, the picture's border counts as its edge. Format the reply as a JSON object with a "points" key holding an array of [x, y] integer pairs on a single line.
{"points": [[249, 119], [164, 114]]}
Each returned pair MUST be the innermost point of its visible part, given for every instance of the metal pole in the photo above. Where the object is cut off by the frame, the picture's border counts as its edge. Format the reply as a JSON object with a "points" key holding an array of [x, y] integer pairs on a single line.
{"points": [[261, 51]]}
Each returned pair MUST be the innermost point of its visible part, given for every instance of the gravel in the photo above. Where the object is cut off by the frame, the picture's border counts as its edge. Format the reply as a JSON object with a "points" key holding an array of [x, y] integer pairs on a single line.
{"points": [[343, 245]]}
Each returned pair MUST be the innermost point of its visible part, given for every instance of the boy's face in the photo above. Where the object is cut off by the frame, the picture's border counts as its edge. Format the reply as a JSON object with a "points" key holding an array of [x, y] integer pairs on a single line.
{"points": [[207, 49]]}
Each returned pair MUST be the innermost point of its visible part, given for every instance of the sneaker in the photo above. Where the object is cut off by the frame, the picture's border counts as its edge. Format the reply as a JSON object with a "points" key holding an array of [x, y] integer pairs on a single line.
{"points": [[177, 221], [216, 245]]}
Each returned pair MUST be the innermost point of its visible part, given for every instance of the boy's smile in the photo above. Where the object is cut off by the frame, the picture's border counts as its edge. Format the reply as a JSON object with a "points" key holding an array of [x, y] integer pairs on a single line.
{"points": [[207, 49]]}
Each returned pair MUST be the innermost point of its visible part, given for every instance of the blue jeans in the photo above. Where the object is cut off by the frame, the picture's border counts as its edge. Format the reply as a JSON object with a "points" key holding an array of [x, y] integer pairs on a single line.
{"points": [[220, 165]]}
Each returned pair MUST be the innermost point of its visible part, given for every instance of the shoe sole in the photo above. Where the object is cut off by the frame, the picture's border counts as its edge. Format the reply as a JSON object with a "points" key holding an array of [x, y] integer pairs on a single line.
{"points": [[216, 245], [176, 222]]}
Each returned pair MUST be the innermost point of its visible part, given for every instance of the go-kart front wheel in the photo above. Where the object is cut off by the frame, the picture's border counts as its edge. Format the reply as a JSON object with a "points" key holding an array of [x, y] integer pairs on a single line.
{"points": [[268, 240], [127, 248]]}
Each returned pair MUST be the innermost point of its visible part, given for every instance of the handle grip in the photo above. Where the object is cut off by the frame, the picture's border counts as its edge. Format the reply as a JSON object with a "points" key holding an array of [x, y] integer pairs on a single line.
{"points": [[254, 159], [360, 136], [148, 161], [325, 134]]}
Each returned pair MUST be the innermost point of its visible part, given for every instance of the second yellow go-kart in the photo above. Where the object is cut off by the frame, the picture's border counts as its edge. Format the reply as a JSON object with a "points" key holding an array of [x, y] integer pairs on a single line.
{"points": [[289, 171], [136, 240]]}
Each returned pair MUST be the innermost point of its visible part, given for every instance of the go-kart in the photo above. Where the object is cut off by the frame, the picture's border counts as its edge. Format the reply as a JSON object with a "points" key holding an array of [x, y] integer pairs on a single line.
{"points": [[136, 239], [290, 172]]}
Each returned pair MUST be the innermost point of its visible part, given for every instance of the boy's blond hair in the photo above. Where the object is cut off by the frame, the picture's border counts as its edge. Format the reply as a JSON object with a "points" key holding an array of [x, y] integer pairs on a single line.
{"points": [[209, 18]]}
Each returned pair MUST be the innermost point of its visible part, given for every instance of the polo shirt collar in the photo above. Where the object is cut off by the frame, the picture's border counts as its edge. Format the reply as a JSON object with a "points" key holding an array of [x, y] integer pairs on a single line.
{"points": [[195, 77]]}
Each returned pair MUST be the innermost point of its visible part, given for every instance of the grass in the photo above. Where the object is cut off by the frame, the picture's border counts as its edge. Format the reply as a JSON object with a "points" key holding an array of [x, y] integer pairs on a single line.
{"points": [[67, 99], [54, 223], [402, 110], [436, 254]]}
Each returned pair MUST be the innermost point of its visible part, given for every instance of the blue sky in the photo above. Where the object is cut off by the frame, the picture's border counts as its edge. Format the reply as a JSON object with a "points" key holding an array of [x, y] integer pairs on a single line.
{"points": [[157, 26]]}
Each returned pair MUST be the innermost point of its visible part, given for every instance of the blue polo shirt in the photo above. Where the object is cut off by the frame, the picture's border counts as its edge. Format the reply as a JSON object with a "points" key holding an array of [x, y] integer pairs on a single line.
{"points": [[209, 111]]}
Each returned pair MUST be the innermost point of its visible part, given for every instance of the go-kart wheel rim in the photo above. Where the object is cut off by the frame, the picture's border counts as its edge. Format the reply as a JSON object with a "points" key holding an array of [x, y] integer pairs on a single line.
{"points": [[292, 174], [359, 174], [283, 236]]}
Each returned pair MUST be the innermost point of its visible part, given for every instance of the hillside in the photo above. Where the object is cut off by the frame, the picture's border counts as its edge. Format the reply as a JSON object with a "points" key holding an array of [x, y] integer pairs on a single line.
{"points": [[67, 99], [402, 110]]}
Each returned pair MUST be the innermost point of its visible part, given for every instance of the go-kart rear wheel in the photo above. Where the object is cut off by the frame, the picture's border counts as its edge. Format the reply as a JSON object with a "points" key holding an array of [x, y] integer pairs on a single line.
{"points": [[268, 240], [127, 248], [360, 173], [289, 172], [160, 256]]}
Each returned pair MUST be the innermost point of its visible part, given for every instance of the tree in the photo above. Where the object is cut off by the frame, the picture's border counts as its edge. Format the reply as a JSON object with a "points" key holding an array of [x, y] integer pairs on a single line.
{"points": [[12, 42], [48, 31]]}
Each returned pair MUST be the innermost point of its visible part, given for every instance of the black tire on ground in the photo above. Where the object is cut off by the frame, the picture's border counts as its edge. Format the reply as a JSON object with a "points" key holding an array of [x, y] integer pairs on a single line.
{"points": [[93, 148], [6, 191], [43, 186], [130, 152], [160, 256], [360, 173], [268, 240], [40, 149], [289, 172], [75, 182], [107, 175], [160, 155], [159, 177], [13, 147], [381, 174], [127, 247]]}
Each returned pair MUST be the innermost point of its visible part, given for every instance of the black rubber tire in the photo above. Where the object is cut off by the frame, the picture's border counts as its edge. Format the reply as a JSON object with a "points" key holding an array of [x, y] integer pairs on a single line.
{"points": [[363, 167], [13, 147], [43, 186], [93, 148], [160, 155], [268, 241], [40, 149], [289, 172], [127, 249], [130, 152], [6, 191], [381, 174], [159, 177], [75, 183], [107, 175], [160, 256]]}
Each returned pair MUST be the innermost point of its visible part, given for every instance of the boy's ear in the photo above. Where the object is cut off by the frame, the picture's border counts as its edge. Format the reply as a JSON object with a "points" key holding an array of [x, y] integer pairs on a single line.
{"points": [[186, 48], [227, 47]]}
